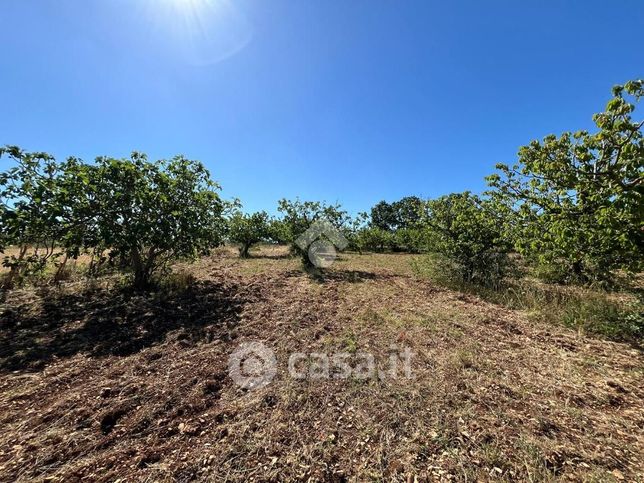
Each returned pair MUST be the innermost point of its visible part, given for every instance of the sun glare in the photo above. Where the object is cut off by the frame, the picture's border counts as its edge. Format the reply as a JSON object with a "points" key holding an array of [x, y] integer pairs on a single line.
{"points": [[202, 31]]}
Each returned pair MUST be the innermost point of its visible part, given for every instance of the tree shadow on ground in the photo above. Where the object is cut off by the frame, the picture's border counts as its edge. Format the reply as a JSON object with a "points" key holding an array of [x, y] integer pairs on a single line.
{"points": [[114, 321]]}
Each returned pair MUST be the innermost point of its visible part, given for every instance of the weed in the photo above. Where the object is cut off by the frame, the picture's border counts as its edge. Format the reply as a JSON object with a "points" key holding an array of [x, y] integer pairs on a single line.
{"points": [[351, 342]]}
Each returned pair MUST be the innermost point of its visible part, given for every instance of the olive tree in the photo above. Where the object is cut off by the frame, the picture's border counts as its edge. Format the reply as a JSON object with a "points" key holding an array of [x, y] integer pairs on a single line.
{"points": [[577, 198]]}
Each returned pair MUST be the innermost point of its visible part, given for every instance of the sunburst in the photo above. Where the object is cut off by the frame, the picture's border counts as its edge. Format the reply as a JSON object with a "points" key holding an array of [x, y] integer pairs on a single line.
{"points": [[204, 31]]}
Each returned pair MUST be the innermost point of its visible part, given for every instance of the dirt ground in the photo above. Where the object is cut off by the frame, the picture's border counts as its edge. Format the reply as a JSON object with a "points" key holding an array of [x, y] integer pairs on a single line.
{"points": [[103, 384]]}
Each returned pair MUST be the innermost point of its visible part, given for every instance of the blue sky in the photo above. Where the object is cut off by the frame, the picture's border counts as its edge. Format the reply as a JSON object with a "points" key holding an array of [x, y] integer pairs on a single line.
{"points": [[351, 101]]}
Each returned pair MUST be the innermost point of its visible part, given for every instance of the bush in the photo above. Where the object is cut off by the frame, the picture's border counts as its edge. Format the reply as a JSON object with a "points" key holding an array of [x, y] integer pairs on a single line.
{"points": [[440, 269], [466, 232], [550, 272], [596, 312]]}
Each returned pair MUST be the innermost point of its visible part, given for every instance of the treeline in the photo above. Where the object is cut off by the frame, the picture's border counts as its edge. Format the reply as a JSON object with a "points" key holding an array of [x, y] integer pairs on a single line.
{"points": [[572, 206], [132, 213]]}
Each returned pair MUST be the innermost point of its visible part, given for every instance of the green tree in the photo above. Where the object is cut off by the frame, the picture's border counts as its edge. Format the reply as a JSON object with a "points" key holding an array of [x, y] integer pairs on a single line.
{"points": [[401, 214], [376, 239], [298, 216], [578, 198], [278, 231], [248, 230], [151, 213], [30, 214], [383, 216], [353, 231], [412, 240], [465, 229], [79, 211], [400, 219], [408, 211]]}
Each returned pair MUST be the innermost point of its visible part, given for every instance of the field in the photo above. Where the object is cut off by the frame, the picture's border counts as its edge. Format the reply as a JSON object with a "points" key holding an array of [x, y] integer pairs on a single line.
{"points": [[99, 382]]}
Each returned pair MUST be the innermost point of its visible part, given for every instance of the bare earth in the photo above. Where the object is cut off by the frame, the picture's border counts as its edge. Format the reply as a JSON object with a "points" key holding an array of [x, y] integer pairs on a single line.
{"points": [[100, 383]]}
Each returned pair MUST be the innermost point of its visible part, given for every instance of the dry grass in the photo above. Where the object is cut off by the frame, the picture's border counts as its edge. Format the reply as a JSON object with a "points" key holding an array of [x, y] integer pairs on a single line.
{"points": [[103, 384], [617, 315]]}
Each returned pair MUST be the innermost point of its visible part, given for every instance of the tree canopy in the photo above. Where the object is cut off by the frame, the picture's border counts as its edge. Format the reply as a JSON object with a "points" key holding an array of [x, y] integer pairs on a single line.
{"points": [[144, 213], [248, 229], [578, 197], [573, 202]]}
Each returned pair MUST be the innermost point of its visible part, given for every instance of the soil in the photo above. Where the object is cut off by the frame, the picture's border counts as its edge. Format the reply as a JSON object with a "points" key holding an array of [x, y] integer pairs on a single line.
{"points": [[99, 382]]}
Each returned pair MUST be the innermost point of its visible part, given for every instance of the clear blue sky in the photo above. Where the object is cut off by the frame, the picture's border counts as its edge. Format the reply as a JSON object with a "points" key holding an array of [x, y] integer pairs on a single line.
{"points": [[342, 100]]}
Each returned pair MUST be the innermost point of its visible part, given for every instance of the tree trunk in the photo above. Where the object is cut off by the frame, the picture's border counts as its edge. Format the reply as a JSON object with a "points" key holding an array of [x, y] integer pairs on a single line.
{"points": [[244, 250], [61, 269], [15, 270], [141, 272], [578, 271]]}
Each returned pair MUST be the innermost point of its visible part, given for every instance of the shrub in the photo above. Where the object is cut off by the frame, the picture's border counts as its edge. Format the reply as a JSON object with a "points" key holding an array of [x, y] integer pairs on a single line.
{"points": [[591, 311], [550, 272], [440, 269], [596, 313], [465, 231]]}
